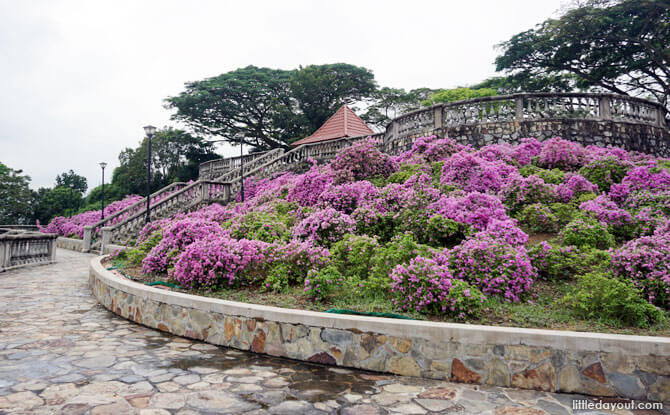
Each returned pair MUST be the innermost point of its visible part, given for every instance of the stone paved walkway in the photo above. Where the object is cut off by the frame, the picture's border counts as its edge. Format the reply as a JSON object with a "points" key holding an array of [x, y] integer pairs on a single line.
{"points": [[62, 353]]}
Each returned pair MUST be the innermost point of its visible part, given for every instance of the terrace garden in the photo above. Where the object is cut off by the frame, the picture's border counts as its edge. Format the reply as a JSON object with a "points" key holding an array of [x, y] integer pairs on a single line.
{"points": [[544, 234]]}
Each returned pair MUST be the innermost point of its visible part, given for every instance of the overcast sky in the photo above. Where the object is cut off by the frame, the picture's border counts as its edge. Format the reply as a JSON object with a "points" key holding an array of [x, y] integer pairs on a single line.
{"points": [[79, 79]]}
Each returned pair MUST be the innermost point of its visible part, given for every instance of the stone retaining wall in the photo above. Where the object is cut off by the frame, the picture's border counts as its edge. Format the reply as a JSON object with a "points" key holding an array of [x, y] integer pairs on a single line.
{"points": [[636, 367]]}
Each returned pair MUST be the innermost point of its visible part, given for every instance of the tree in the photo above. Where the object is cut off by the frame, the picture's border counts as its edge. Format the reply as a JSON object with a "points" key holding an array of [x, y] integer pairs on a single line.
{"points": [[321, 89], [619, 46], [458, 94], [248, 100], [16, 197], [392, 102], [270, 107], [175, 156], [72, 180], [50, 203]]}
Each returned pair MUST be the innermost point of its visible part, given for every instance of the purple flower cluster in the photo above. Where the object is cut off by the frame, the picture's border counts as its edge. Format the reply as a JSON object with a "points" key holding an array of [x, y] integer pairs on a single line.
{"points": [[324, 227], [476, 174], [362, 160], [562, 154], [475, 209]]}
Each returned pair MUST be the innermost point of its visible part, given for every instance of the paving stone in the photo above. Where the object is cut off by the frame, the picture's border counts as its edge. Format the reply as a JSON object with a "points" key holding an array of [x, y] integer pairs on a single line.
{"points": [[290, 408]]}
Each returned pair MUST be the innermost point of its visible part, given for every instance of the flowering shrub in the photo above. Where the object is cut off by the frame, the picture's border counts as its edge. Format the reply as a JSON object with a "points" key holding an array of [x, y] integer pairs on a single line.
{"points": [[475, 209], [584, 231], [269, 223], [553, 176], [504, 230], [427, 286], [309, 186], [434, 149], [476, 174], [400, 250], [325, 226], [347, 196], [573, 186], [640, 178], [523, 191], [526, 151], [560, 153], [176, 237], [362, 160], [496, 268], [221, 261], [646, 261], [73, 226]]}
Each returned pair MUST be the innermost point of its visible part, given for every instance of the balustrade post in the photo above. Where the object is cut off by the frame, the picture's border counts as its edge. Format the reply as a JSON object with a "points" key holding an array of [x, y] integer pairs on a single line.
{"points": [[106, 238], [437, 120], [4, 254], [88, 234], [518, 108], [52, 249], [204, 192], [604, 108]]}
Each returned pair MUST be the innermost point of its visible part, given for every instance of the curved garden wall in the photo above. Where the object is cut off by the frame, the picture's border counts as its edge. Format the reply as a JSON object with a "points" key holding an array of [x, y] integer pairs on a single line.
{"points": [[636, 367]]}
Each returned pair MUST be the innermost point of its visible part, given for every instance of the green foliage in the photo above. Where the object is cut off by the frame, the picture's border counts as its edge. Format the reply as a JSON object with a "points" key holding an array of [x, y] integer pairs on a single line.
{"points": [[320, 285], [538, 218], [601, 296], [71, 180], [175, 156], [604, 173], [405, 172], [591, 45], [137, 254], [94, 198], [399, 250], [352, 255], [436, 230], [564, 212], [270, 107], [59, 201], [466, 300], [278, 278], [458, 94], [555, 263], [15, 197], [392, 102], [266, 226], [585, 231], [553, 176]]}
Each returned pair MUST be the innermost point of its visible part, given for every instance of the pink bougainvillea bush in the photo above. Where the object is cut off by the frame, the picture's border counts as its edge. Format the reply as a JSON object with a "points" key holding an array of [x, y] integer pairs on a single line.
{"points": [[73, 226], [442, 228]]}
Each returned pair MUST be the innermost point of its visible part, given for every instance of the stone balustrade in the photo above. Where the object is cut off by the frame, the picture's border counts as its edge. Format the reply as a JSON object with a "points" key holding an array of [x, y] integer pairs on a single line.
{"points": [[21, 248], [268, 157], [213, 169], [184, 199], [599, 119]]}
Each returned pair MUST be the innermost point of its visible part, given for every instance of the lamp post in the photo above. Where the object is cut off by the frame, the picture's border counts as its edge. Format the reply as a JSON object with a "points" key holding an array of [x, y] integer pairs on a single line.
{"points": [[240, 137], [102, 199], [71, 186], [150, 130]]}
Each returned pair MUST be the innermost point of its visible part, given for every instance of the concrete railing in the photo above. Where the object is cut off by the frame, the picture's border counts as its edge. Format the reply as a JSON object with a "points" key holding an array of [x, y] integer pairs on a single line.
{"points": [[21, 248], [92, 233], [516, 109], [213, 169], [201, 191]]}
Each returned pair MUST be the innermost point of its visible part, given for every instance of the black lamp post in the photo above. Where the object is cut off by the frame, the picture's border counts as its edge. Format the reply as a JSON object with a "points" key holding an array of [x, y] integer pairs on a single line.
{"points": [[240, 136], [150, 130], [71, 186], [102, 199]]}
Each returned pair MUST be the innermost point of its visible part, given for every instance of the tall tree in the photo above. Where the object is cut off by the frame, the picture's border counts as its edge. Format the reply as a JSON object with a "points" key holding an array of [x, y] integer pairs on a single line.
{"points": [[393, 102], [621, 46], [248, 100], [270, 107], [321, 89], [72, 180], [16, 197]]}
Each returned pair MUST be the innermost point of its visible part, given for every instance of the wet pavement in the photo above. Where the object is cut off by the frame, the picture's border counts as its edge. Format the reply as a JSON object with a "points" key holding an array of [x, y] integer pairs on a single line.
{"points": [[62, 353]]}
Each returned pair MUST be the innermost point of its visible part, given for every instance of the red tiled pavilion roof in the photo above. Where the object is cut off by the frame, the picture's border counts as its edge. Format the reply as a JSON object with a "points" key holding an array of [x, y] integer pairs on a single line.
{"points": [[344, 123]]}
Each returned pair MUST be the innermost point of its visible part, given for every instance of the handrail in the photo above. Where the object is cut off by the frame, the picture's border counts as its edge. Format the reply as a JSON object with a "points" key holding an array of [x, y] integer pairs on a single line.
{"points": [[235, 173], [210, 169]]}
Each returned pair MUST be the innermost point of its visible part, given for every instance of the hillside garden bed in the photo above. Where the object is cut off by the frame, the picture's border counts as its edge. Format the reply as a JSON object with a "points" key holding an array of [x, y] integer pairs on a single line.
{"points": [[544, 234]]}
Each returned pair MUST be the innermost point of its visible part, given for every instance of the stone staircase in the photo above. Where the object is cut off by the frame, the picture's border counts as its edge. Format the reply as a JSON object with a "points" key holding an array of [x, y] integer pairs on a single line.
{"points": [[125, 225]]}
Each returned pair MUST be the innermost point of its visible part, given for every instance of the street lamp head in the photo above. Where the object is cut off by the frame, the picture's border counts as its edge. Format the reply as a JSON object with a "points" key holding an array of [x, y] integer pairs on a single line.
{"points": [[239, 136], [103, 165], [150, 130]]}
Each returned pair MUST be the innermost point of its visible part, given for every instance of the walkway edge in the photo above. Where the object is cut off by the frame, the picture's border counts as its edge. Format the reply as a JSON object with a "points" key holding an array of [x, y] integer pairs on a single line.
{"points": [[636, 367]]}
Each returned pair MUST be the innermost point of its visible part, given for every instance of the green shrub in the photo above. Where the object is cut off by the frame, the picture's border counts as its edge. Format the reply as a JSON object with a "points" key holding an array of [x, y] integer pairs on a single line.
{"points": [[538, 218], [606, 172], [264, 225], [585, 231], [553, 176], [584, 197], [436, 230], [465, 299], [135, 255], [405, 172], [564, 212], [320, 285], [602, 296], [352, 255], [556, 263], [278, 278], [399, 250]]}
